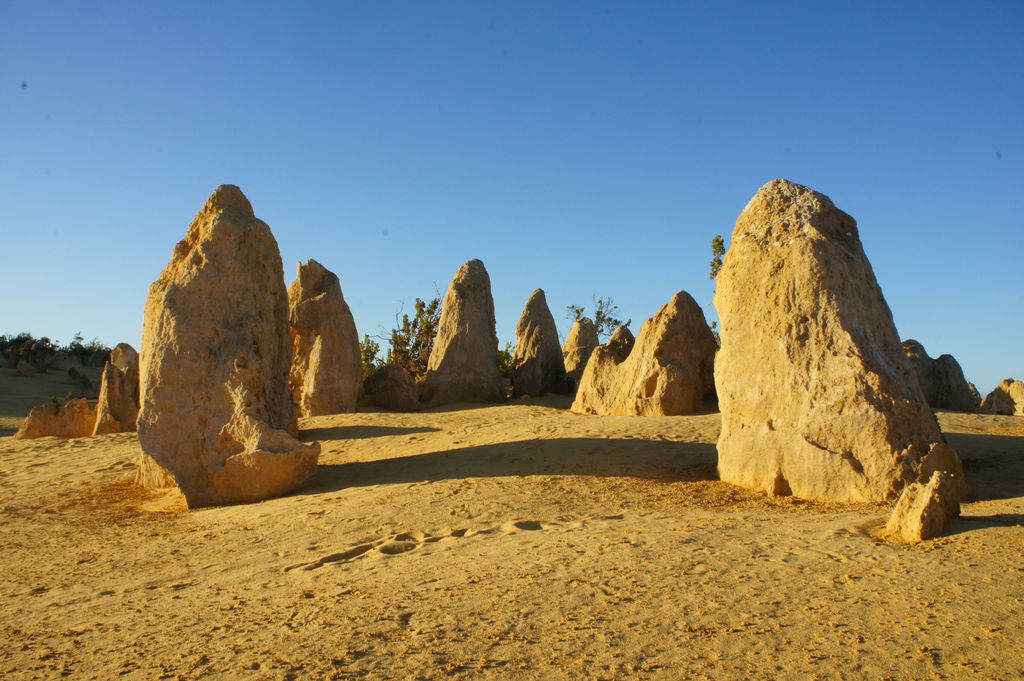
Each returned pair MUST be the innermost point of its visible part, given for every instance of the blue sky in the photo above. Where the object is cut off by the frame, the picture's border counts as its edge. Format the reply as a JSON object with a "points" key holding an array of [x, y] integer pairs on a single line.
{"points": [[580, 147]]}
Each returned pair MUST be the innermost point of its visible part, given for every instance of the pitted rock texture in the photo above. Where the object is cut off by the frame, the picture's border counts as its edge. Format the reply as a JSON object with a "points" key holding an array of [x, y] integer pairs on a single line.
{"points": [[326, 374], [216, 416], [817, 398]]}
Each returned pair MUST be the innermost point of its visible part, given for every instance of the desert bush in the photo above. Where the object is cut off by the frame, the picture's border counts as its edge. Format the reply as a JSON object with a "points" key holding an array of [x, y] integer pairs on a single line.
{"points": [[605, 316]]}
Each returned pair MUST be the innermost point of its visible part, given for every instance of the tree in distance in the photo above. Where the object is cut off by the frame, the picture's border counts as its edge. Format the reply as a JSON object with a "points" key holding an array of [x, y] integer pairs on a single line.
{"points": [[410, 342], [605, 316]]}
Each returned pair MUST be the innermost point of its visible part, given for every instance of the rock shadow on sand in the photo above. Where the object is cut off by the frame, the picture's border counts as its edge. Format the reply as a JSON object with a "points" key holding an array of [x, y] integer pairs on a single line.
{"points": [[645, 459], [360, 432], [991, 463]]}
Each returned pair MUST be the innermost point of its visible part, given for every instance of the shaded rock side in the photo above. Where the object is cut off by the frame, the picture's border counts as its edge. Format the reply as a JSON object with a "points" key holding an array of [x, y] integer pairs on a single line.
{"points": [[326, 373], [463, 364], [817, 398], [580, 344], [117, 407], [537, 365], [924, 509], [1007, 399], [216, 416], [390, 387], [74, 419], [942, 380], [598, 379], [669, 371]]}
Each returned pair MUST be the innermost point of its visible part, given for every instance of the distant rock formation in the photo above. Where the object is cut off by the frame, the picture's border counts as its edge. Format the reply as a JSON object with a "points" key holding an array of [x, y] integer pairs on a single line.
{"points": [[537, 365], [942, 380], [118, 405], [73, 419], [668, 371], [216, 413], [817, 397], [576, 352], [463, 364], [390, 387], [1007, 398], [326, 373], [924, 509]]}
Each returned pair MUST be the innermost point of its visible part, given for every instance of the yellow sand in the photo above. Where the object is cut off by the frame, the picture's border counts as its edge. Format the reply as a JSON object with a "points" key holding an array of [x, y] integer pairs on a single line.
{"points": [[507, 542]]}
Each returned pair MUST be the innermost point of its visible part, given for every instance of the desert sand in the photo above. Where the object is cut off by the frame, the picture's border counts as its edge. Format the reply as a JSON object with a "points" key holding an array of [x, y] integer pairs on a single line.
{"points": [[508, 541]]}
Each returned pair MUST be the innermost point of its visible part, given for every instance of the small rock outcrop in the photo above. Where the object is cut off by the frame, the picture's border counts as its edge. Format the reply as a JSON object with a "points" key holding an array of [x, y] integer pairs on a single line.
{"points": [[1007, 399], [817, 398], [117, 407], [537, 365], [923, 509], [326, 374], [942, 380], [463, 364], [668, 371], [580, 344], [390, 387], [73, 419], [216, 416]]}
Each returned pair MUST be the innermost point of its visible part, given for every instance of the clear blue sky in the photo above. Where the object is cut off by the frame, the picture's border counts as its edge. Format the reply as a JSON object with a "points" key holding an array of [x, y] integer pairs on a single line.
{"points": [[581, 147]]}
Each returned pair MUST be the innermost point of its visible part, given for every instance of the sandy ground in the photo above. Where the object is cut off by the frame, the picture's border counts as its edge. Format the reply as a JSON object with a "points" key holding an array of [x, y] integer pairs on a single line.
{"points": [[513, 541]]}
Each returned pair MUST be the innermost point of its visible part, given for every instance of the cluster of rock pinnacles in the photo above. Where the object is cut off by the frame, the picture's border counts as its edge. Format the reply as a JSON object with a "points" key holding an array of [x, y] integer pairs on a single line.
{"points": [[818, 397]]}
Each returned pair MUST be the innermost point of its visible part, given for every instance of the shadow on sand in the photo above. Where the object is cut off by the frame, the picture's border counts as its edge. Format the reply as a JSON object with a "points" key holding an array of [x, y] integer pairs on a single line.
{"points": [[359, 432], [994, 464], [647, 459]]}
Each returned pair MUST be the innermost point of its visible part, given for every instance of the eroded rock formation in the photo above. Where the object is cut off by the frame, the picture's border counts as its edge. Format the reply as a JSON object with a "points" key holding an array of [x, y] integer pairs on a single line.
{"points": [[117, 407], [942, 380], [537, 365], [463, 364], [326, 373], [216, 416], [580, 344], [668, 372], [73, 419], [1007, 398], [817, 397]]}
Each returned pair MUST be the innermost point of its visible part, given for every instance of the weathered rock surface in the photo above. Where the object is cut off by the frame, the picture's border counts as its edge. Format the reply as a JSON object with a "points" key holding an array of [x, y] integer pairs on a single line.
{"points": [[73, 419], [817, 397], [942, 380], [390, 387], [923, 509], [580, 344], [326, 374], [25, 369], [463, 364], [117, 407], [537, 365], [1007, 398], [216, 413], [668, 372]]}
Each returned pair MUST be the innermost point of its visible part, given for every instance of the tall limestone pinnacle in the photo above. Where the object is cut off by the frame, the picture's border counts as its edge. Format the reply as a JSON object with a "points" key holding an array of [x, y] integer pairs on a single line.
{"points": [[463, 364], [817, 397], [537, 366], [216, 416], [326, 374]]}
